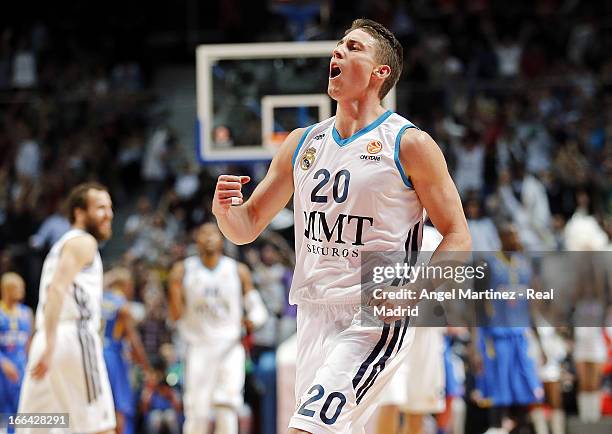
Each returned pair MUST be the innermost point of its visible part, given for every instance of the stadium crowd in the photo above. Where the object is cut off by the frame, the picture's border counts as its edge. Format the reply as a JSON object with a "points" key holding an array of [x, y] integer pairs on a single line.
{"points": [[518, 97]]}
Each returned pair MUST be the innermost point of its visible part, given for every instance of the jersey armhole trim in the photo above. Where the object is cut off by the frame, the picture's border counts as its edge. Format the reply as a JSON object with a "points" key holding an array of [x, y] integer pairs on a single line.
{"points": [[87, 266], [398, 164], [299, 146]]}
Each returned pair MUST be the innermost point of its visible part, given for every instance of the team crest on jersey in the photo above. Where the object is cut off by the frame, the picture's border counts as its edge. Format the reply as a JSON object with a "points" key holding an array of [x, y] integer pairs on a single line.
{"points": [[374, 147], [308, 158]]}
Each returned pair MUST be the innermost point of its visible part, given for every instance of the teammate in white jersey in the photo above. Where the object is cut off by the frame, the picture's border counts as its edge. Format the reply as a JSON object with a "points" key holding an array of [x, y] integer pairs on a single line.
{"points": [[66, 371], [208, 294], [360, 181]]}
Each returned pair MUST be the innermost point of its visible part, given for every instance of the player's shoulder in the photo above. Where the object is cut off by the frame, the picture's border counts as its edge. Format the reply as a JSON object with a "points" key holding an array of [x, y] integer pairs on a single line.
{"points": [[82, 246], [395, 121], [228, 261], [294, 138], [408, 135], [299, 135], [419, 152], [230, 264], [82, 241], [74, 237], [415, 138], [314, 132]]}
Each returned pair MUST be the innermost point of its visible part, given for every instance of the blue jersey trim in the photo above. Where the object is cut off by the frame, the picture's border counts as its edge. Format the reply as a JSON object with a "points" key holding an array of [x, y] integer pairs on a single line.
{"points": [[297, 150], [398, 140], [343, 142]]}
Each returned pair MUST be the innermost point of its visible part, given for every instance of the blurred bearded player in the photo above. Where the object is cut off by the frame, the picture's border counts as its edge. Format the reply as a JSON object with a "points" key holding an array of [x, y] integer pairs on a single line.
{"points": [[66, 372]]}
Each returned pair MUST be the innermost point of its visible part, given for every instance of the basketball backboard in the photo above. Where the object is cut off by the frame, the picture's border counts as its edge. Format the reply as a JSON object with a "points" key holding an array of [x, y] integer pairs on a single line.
{"points": [[250, 96]]}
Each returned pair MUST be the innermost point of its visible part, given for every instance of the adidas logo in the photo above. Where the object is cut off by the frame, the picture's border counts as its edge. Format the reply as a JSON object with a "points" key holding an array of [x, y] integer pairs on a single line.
{"points": [[319, 137]]}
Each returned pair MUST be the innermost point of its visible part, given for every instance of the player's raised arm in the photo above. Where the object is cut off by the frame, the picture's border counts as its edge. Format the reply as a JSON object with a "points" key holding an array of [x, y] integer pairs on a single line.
{"points": [[175, 291], [76, 254], [425, 166], [243, 224]]}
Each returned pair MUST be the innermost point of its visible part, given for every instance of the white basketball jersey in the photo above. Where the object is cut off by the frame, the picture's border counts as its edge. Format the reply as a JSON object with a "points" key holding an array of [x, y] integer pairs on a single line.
{"points": [[83, 302], [351, 195], [212, 302]]}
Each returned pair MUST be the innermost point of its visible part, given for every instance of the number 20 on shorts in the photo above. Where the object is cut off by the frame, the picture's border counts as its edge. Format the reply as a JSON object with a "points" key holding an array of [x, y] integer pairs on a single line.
{"points": [[323, 414]]}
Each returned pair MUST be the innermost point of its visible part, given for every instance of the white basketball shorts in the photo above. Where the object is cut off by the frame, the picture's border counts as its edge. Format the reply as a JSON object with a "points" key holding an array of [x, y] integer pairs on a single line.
{"points": [[76, 383], [343, 366], [214, 376]]}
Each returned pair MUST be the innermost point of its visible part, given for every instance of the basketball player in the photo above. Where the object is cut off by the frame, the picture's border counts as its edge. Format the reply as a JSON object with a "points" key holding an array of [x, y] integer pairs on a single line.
{"points": [[208, 293], [66, 371], [361, 180], [15, 331], [119, 329], [506, 373]]}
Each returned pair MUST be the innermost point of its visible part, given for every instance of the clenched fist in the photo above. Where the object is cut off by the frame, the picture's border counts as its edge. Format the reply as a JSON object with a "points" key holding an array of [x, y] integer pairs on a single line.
{"points": [[227, 193]]}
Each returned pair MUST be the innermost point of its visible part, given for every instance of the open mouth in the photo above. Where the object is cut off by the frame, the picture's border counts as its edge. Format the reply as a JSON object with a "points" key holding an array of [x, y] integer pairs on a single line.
{"points": [[334, 71]]}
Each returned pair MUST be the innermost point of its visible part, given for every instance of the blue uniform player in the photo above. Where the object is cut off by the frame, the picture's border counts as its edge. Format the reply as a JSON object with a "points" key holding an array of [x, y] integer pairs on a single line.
{"points": [[15, 331], [506, 374], [119, 330]]}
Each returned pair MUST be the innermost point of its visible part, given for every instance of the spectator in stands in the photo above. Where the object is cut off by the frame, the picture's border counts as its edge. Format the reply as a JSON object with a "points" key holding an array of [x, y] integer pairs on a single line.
{"points": [[155, 241], [153, 327], [154, 169], [24, 66], [469, 168], [138, 222], [51, 230], [484, 233], [28, 158], [130, 159], [524, 200]]}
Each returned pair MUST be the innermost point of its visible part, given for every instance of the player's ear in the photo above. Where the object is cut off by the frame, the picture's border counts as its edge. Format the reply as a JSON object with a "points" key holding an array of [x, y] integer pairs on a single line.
{"points": [[79, 213], [382, 71]]}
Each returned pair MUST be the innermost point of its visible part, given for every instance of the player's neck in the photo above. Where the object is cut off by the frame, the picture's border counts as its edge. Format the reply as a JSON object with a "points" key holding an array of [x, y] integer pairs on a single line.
{"points": [[79, 226], [354, 115], [210, 261], [8, 304]]}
